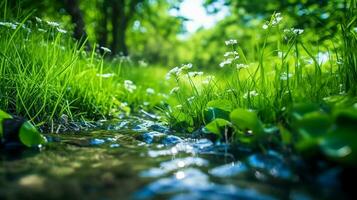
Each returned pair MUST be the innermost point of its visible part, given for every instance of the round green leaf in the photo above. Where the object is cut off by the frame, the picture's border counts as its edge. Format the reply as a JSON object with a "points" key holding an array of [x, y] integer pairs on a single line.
{"points": [[245, 119], [29, 135]]}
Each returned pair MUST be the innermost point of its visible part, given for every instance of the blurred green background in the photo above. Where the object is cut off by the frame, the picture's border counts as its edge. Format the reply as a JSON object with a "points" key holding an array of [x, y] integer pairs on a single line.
{"points": [[156, 31]]}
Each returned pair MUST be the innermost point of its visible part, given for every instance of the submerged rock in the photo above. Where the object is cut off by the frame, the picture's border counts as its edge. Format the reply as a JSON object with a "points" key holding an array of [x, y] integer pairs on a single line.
{"points": [[171, 140], [272, 164], [229, 170], [152, 137], [96, 141]]}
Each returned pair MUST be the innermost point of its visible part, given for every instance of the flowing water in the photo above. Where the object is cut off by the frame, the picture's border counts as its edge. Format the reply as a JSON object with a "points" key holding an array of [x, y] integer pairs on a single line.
{"points": [[141, 159]]}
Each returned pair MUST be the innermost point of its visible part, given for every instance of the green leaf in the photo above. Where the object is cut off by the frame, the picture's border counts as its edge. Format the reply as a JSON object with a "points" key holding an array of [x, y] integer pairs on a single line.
{"points": [[245, 119], [313, 124], [212, 113], [220, 104], [3, 115], [217, 126], [340, 146], [217, 109], [29, 135], [299, 110]]}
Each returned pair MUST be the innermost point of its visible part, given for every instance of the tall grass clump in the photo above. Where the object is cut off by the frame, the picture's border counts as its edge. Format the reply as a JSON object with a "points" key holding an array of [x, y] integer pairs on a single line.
{"points": [[291, 68], [45, 74]]}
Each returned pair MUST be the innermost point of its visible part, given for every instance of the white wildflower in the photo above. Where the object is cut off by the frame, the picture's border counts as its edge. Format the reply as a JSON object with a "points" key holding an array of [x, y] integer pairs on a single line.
{"points": [[294, 31], [242, 66], [61, 30], [150, 91], [250, 94], [8, 24], [280, 54], [176, 71], [284, 76], [208, 79], [53, 24], [226, 62], [230, 53], [355, 29], [174, 90], [322, 57], [129, 86], [231, 42], [42, 30], [186, 66], [276, 19], [39, 20], [142, 63], [194, 74], [190, 99], [265, 25], [106, 75], [106, 50]]}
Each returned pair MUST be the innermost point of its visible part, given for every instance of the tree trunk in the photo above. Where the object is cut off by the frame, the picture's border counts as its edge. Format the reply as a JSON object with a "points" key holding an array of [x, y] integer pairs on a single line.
{"points": [[119, 25], [122, 31], [72, 8], [102, 31]]}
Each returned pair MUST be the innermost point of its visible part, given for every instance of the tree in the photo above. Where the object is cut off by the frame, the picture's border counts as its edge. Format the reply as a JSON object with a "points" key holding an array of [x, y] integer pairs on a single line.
{"points": [[122, 13], [79, 32]]}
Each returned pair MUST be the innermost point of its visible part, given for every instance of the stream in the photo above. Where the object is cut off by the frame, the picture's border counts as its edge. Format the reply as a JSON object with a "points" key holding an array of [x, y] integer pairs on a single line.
{"points": [[143, 159]]}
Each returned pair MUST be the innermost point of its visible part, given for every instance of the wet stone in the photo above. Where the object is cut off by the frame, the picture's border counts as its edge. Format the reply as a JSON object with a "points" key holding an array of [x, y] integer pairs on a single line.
{"points": [[152, 137], [96, 141], [229, 170], [171, 140], [159, 128], [272, 164], [114, 146]]}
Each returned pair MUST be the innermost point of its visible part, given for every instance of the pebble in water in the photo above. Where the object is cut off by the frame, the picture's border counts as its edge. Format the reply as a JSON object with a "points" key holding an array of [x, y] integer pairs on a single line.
{"points": [[97, 141], [172, 165], [194, 184], [271, 163], [229, 170], [171, 140]]}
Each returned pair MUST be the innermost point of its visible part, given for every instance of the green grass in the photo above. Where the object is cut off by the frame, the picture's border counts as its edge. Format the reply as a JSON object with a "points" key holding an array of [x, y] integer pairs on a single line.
{"points": [[45, 75]]}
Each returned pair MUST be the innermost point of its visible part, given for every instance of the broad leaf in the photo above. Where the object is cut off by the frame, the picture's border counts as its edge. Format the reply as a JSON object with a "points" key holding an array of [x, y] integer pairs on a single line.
{"points": [[313, 124], [246, 120], [220, 104], [217, 126], [217, 109], [29, 135], [3, 115]]}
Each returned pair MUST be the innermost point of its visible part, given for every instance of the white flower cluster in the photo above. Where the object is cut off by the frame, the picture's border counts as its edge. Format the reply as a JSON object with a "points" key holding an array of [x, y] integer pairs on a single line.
{"points": [[231, 53], [150, 91], [177, 71], [208, 79], [106, 50], [194, 74], [231, 42], [129, 86], [276, 19], [226, 62], [8, 25], [242, 66], [106, 75], [250, 94], [53, 24], [174, 90], [294, 31], [285, 76]]}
